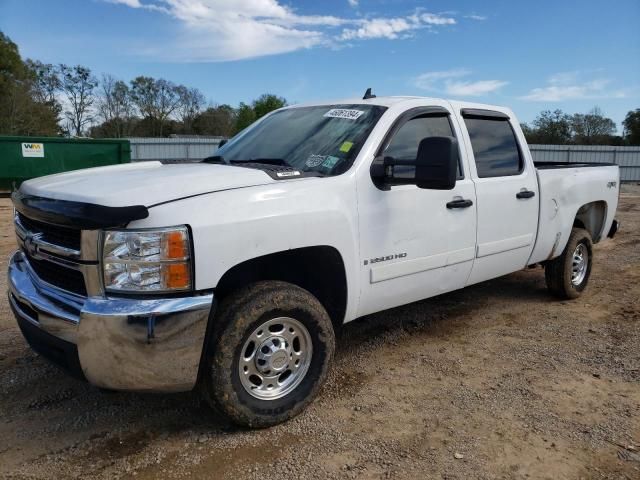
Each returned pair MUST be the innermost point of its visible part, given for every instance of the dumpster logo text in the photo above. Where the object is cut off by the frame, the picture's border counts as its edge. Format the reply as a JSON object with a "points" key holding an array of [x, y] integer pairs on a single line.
{"points": [[30, 150]]}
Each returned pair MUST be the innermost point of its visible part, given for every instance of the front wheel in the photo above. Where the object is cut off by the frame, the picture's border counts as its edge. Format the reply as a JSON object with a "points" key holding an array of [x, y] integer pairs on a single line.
{"points": [[567, 275], [271, 349]]}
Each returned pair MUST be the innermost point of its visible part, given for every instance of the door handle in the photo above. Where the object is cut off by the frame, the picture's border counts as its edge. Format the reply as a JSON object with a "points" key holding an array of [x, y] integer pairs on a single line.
{"points": [[525, 194], [460, 203]]}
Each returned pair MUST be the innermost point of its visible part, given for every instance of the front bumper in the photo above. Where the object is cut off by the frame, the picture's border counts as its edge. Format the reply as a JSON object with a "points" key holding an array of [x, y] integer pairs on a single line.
{"points": [[152, 344]]}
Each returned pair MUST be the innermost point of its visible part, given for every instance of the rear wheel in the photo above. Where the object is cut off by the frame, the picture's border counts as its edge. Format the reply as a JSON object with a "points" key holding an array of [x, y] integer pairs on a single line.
{"points": [[568, 275], [272, 346]]}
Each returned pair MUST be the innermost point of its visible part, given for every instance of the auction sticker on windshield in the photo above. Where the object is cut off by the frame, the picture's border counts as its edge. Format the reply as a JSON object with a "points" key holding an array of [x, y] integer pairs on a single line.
{"points": [[346, 146], [315, 160], [343, 113]]}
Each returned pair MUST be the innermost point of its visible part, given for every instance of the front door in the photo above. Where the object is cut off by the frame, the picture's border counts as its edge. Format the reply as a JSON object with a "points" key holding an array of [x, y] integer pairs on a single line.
{"points": [[415, 243]]}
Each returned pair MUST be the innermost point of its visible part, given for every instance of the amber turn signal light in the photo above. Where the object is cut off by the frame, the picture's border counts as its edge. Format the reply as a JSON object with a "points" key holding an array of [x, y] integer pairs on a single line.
{"points": [[176, 275], [176, 246]]}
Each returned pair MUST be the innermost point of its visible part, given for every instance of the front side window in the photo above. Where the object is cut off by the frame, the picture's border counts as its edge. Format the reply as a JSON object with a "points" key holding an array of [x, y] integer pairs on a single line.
{"points": [[322, 139], [405, 142], [495, 147]]}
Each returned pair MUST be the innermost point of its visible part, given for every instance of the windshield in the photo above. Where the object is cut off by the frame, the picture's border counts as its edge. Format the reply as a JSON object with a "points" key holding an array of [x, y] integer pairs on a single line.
{"points": [[323, 139]]}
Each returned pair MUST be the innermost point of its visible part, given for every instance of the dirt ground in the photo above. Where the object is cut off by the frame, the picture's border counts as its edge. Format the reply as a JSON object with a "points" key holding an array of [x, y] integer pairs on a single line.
{"points": [[499, 380]]}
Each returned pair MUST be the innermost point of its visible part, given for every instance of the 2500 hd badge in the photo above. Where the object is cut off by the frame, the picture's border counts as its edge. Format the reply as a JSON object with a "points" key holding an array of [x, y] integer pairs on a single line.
{"points": [[385, 259]]}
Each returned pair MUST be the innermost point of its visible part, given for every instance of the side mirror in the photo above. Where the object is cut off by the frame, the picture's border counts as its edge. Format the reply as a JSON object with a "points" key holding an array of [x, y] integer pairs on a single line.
{"points": [[437, 163], [222, 142], [435, 166]]}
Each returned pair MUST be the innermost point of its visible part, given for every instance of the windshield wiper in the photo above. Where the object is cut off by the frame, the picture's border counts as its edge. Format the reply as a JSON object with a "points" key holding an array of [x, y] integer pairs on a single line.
{"points": [[266, 161]]}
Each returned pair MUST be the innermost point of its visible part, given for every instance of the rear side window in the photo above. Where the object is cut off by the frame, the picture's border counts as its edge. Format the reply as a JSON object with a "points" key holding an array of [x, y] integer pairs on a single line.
{"points": [[405, 142], [495, 147]]}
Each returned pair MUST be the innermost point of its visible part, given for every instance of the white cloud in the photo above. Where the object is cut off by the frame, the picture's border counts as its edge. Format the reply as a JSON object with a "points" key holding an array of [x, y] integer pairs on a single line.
{"points": [[479, 18], [450, 82], [138, 4], [433, 19], [353, 3], [474, 89], [379, 28], [128, 3], [573, 86], [219, 30], [393, 28], [431, 80]]}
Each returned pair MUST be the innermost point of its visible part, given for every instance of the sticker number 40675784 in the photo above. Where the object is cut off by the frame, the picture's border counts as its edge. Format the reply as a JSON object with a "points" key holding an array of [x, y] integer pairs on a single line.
{"points": [[343, 113]]}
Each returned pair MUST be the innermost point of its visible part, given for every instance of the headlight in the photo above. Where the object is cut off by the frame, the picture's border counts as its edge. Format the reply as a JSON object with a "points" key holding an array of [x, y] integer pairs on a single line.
{"points": [[147, 260]]}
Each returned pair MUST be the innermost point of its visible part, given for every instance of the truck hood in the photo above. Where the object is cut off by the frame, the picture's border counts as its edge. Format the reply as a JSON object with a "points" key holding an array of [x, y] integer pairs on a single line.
{"points": [[144, 183]]}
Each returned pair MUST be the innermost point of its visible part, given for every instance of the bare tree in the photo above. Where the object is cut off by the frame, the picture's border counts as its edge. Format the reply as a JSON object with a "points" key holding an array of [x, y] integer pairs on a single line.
{"points": [[78, 85], [143, 93], [115, 106], [191, 103], [155, 99], [167, 100]]}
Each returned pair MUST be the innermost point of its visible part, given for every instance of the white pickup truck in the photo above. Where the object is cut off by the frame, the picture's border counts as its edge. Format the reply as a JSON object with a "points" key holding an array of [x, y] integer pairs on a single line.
{"points": [[232, 274]]}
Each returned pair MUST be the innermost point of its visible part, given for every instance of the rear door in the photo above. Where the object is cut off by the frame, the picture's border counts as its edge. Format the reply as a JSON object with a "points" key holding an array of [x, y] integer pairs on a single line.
{"points": [[506, 192]]}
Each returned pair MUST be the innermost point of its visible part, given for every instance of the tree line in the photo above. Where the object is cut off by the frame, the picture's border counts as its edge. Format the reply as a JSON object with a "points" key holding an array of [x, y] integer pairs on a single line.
{"points": [[591, 128], [150, 107], [45, 99]]}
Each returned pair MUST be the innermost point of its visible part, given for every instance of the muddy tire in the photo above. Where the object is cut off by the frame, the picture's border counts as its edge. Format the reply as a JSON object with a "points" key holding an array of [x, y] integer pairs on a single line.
{"points": [[567, 275], [270, 352]]}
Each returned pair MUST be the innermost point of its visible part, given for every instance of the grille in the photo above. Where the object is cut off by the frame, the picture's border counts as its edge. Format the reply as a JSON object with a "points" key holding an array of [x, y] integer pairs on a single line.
{"points": [[65, 237], [59, 276]]}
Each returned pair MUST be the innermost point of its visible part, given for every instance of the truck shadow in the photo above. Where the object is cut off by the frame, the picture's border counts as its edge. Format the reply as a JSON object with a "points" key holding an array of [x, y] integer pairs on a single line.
{"points": [[442, 315]]}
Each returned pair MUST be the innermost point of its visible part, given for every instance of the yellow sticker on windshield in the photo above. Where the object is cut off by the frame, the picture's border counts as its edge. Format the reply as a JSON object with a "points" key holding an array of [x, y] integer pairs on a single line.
{"points": [[346, 146]]}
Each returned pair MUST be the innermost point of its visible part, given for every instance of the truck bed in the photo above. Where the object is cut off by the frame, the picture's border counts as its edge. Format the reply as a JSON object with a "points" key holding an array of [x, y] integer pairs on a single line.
{"points": [[566, 189]]}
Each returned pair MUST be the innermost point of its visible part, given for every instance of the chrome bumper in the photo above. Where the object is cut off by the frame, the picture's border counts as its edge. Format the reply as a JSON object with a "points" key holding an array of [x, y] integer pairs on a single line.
{"points": [[122, 343]]}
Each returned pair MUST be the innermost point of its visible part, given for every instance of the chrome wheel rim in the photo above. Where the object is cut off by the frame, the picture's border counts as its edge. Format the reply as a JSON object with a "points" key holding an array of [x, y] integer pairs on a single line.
{"points": [[579, 264], [275, 358]]}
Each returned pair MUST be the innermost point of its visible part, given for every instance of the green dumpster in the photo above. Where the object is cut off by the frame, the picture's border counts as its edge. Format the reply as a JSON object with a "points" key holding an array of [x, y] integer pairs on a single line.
{"points": [[22, 158]]}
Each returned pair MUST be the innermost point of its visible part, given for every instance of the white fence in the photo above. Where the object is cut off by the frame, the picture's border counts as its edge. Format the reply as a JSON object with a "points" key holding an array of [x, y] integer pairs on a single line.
{"points": [[173, 150], [628, 158], [179, 150]]}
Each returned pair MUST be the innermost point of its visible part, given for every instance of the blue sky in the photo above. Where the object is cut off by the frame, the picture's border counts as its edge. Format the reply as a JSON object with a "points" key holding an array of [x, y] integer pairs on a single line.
{"points": [[530, 56]]}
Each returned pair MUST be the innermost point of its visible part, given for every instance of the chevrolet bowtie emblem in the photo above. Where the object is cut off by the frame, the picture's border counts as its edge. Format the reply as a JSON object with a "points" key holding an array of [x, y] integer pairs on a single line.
{"points": [[30, 243]]}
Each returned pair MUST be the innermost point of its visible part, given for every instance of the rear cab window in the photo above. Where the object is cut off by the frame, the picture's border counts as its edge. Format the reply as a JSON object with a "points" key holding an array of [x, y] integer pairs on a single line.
{"points": [[495, 147]]}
